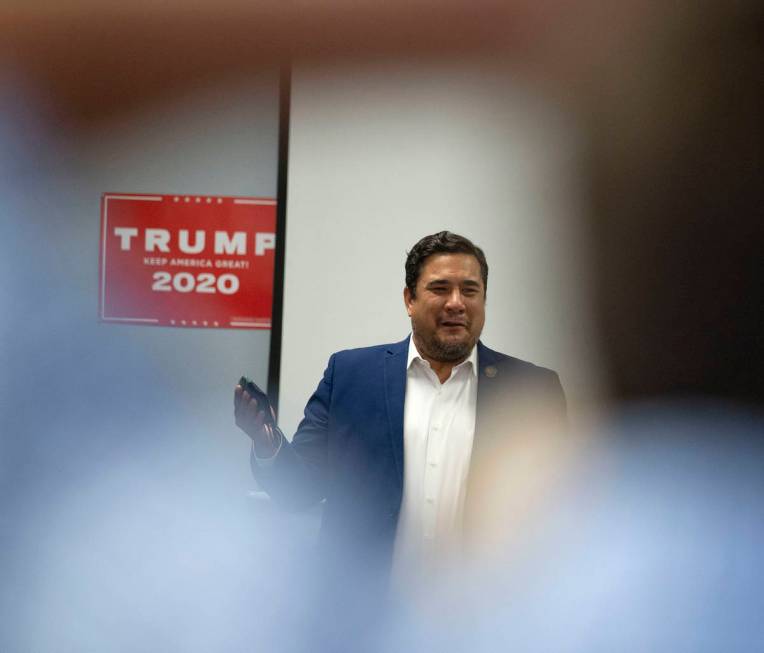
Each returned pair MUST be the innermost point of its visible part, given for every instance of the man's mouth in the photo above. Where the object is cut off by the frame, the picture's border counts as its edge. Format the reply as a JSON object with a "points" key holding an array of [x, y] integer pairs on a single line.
{"points": [[453, 323]]}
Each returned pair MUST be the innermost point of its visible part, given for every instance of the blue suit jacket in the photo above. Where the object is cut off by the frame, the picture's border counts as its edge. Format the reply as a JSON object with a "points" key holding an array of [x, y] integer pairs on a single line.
{"points": [[348, 449]]}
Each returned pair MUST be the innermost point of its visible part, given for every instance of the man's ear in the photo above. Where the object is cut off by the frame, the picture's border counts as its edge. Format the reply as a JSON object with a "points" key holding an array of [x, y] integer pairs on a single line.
{"points": [[407, 299]]}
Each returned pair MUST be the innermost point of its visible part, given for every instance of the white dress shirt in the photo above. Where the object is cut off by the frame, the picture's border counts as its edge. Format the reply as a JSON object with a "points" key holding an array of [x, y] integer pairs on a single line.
{"points": [[438, 429]]}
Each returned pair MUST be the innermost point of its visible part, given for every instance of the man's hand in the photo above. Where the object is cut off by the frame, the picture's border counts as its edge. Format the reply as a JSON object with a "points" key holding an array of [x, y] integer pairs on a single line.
{"points": [[251, 419]]}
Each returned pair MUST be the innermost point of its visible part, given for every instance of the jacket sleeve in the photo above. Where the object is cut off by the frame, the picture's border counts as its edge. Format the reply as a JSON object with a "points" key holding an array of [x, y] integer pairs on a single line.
{"points": [[297, 476]]}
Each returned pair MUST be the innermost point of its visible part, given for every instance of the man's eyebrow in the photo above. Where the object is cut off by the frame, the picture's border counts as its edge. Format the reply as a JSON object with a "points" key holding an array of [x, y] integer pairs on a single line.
{"points": [[446, 282]]}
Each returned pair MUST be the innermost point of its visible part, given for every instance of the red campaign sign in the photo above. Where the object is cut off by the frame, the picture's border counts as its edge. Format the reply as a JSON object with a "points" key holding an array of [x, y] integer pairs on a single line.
{"points": [[187, 260]]}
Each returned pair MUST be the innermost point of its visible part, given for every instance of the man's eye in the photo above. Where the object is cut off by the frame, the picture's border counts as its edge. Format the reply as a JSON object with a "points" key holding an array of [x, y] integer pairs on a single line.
{"points": [[439, 289], [470, 292]]}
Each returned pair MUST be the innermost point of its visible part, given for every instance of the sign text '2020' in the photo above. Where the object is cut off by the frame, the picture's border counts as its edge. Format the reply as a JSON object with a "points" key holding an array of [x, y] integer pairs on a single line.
{"points": [[204, 282]]}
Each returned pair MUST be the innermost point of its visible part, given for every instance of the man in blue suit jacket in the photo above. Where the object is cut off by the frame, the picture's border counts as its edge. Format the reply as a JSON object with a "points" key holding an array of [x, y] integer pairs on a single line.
{"points": [[349, 448]]}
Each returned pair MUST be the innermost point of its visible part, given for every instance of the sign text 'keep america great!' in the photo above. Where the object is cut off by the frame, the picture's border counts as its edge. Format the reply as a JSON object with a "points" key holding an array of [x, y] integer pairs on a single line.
{"points": [[187, 260]]}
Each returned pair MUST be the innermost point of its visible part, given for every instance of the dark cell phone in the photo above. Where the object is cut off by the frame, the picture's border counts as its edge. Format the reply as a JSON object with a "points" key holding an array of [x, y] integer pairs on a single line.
{"points": [[262, 399]]}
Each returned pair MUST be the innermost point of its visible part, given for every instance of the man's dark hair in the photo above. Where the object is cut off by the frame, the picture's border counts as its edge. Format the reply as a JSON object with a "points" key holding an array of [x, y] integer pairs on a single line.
{"points": [[443, 242]]}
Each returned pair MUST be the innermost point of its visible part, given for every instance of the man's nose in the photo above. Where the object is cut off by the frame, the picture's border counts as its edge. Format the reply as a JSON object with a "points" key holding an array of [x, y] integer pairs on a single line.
{"points": [[455, 301]]}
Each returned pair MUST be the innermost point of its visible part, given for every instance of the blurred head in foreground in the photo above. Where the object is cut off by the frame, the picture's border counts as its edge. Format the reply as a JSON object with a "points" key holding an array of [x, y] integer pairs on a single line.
{"points": [[642, 531]]}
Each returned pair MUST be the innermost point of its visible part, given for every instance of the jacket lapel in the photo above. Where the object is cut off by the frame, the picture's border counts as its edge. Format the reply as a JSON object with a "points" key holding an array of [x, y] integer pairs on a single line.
{"points": [[488, 378], [492, 376], [395, 394]]}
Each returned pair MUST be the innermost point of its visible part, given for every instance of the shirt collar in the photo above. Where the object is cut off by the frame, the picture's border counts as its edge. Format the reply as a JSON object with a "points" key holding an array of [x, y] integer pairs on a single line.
{"points": [[413, 355]]}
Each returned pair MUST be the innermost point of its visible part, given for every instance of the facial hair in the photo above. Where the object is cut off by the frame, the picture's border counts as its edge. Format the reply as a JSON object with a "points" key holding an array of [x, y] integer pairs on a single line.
{"points": [[438, 350]]}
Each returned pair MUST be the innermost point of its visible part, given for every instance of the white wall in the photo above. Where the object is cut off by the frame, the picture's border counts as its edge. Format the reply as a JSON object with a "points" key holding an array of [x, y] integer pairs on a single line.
{"points": [[383, 155]]}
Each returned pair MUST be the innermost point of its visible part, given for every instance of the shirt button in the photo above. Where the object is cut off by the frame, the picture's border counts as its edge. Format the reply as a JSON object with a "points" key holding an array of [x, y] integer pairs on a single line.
{"points": [[433, 465], [430, 500]]}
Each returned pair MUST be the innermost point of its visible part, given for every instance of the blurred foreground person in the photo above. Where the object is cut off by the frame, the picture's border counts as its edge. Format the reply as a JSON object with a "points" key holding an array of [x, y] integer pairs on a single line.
{"points": [[643, 531], [646, 536], [391, 435]]}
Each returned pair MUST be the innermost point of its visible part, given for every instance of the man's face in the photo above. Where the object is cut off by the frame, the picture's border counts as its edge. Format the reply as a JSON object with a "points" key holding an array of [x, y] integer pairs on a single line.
{"points": [[448, 312]]}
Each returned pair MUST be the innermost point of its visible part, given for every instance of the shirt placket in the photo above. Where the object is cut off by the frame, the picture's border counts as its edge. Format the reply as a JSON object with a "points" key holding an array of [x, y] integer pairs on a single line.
{"points": [[433, 463]]}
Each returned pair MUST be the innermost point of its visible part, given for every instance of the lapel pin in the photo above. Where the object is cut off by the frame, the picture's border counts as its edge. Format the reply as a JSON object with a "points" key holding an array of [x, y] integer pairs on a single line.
{"points": [[491, 371]]}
